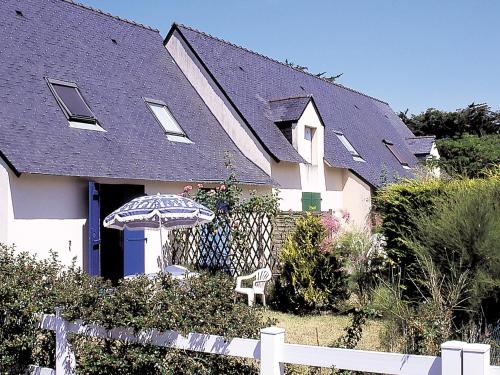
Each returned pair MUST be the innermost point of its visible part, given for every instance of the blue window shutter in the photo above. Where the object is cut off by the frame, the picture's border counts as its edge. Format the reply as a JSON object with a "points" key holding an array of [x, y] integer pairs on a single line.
{"points": [[133, 252], [94, 230]]}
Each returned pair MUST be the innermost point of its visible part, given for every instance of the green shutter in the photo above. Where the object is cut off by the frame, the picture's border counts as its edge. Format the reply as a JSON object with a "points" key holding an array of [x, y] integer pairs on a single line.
{"points": [[311, 201]]}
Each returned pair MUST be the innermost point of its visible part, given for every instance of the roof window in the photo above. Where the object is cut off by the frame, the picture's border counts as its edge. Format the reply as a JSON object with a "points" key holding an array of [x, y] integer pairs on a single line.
{"points": [[349, 146], [73, 105], [163, 116], [396, 153]]}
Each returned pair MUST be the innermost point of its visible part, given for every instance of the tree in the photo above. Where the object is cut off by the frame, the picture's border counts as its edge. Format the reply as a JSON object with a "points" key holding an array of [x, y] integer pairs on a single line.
{"points": [[475, 119], [321, 75]]}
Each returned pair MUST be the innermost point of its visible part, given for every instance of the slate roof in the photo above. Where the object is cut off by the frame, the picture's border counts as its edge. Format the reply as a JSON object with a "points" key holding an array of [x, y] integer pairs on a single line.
{"points": [[287, 109], [420, 145], [71, 42], [251, 80]]}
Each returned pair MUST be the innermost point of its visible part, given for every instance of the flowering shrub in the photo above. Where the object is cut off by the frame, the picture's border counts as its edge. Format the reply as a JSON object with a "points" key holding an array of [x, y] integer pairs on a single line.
{"points": [[365, 259]]}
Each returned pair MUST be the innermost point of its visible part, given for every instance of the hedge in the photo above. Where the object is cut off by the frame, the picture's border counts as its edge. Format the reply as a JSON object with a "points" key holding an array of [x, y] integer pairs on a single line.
{"points": [[204, 305]]}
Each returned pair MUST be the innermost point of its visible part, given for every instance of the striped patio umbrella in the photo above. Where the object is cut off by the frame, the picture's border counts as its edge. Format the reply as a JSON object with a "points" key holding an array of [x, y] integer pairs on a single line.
{"points": [[169, 211]]}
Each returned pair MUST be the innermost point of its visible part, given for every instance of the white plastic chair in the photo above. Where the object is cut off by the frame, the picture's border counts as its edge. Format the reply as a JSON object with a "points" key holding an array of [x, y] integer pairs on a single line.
{"points": [[262, 276]]}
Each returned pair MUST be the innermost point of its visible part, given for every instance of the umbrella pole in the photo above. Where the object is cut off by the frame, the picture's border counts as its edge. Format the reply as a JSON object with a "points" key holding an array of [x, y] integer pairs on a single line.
{"points": [[162, 257]]}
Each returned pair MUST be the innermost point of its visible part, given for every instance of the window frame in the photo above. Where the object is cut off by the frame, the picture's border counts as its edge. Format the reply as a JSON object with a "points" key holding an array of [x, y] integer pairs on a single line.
{"points": [[173, 135], [354, 153], [395, 152], [89, 121]]}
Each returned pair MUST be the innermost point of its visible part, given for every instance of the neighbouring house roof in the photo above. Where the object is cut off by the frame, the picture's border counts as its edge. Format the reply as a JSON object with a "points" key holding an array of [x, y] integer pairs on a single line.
{"points": [[251, 81], [420, 145], [287, 109], [116, 64]]}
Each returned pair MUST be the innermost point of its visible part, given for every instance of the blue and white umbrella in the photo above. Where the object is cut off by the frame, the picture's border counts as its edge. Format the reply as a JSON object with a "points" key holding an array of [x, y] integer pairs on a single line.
{"points": [[169, 211], [159, 211]]}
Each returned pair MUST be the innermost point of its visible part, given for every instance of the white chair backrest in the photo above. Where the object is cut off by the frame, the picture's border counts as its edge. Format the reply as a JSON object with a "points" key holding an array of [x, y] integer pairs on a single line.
{"points": [[261, 277]]}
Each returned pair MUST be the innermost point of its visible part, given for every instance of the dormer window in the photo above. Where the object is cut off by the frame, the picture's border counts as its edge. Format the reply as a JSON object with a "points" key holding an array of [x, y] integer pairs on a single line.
{"points": [[73, 105], [396, 153], [163, 116], [348, 146]]}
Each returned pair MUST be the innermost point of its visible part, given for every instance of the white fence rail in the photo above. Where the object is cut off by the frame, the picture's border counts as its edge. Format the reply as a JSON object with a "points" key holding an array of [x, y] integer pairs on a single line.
{"points": [[457, 358]]}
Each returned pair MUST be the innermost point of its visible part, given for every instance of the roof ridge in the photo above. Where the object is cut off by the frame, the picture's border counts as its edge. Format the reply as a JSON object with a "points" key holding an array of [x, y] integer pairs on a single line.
{"points": [[96, 10], [291, 97], [279, 62], [421, 136]]}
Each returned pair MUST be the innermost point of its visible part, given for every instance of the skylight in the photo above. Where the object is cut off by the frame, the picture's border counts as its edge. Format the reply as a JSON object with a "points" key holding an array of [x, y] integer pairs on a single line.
{"points": [[167, 121], [396, 153], [348, 146], [73, 105]]}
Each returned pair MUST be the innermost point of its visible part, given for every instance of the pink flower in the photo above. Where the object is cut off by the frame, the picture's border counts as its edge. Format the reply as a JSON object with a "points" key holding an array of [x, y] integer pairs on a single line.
{"points": [[200, 186], [188, 188], [211, 192], [223, 187]]}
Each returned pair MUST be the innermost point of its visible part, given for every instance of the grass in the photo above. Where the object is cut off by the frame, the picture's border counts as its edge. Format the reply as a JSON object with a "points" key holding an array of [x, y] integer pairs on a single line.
{"points": [[324, 329]]}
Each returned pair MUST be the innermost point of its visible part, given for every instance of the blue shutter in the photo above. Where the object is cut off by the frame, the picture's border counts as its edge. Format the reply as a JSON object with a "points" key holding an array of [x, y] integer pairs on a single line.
{"points": [[94, 230], [133, 252]]}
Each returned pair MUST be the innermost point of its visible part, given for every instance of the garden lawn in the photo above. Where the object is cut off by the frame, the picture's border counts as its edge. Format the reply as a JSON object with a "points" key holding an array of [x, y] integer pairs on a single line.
{"points": [[324, 328]]}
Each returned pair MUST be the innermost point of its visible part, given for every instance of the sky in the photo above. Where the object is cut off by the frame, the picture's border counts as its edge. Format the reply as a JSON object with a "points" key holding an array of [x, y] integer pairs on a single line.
{"points": [[412, 54]]}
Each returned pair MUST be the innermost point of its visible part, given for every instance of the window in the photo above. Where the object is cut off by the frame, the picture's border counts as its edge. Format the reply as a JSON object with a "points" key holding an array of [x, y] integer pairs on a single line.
{"points": [[72, 103], [308, 144], [311, 201], [348, 146], [167, 121], [396, 153]]}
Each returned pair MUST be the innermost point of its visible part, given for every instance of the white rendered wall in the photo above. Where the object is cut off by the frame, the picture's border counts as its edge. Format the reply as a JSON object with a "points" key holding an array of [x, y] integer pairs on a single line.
{"points": [[4, 199], [47, 213], [221, 109], [356, 198]]}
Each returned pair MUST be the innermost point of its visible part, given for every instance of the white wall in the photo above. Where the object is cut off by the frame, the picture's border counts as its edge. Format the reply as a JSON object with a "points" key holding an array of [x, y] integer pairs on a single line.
{"points": [[46, 213], [232, 123], [356, 198], [4, 199]]}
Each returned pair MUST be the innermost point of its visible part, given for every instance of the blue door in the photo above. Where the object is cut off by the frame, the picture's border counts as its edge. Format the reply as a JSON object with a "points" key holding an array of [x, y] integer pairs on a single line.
{"points": [[133, 252], [94, 231]]}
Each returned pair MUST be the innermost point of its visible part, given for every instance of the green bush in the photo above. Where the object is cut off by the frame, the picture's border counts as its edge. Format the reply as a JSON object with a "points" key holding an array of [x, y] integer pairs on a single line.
{"points": [[461, 235], [469, 156], [405, 205], [397, 205], [312, 277], [204, 305]]}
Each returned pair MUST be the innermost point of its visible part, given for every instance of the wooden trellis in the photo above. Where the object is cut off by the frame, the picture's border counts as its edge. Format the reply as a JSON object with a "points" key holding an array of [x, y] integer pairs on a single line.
{"points": [[235, 243]]}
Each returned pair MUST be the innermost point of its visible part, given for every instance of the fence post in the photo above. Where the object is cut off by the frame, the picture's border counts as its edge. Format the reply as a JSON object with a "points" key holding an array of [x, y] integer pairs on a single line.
{"points": [[64, 360], [476, 359], [451, 357], [272, 340]]}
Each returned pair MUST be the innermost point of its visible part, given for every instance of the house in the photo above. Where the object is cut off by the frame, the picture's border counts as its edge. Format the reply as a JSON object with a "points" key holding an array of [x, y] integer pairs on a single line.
{"points": [[325, 145], [96, 110]]}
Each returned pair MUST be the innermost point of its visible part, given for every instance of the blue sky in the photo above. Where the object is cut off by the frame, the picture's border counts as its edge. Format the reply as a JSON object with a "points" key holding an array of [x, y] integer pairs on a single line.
{"points": [[412, 54]]}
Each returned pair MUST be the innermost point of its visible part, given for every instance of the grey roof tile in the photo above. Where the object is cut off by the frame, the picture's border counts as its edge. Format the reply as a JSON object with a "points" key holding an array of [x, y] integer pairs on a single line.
{"points": [[287, 109], [420, 145], [62, 40], [364, 120]]}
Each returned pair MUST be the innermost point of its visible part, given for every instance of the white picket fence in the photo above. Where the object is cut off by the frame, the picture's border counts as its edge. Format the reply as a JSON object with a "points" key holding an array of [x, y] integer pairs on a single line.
{"points": [[457, 358]]}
